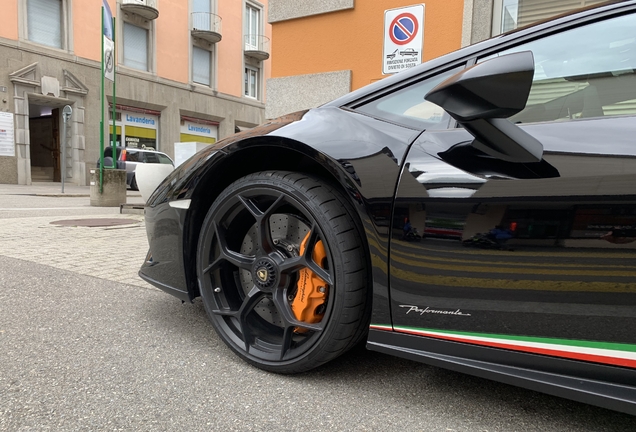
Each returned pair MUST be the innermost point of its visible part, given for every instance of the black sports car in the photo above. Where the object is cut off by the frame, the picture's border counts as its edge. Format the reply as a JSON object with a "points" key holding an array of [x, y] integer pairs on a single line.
{"points": [[296, 233]]}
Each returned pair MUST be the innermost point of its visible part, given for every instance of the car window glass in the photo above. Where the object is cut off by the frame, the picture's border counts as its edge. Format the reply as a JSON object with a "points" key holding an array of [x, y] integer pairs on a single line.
{"points": [[132, 156], [583, 73], [164, 159], [407, 105], [151, 158]]}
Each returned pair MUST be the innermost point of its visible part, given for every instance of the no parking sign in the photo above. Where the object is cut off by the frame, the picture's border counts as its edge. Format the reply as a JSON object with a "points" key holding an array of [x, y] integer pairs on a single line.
{"points": [[403, 38]]}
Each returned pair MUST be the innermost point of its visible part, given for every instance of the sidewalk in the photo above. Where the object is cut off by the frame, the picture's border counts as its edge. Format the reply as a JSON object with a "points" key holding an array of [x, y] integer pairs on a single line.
{"points": [[112, 252], [53, 189]]}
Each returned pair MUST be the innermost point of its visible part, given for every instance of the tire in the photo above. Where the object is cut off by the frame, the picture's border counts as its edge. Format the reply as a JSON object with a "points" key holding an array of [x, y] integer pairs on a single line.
{"points": [[250, 263], [133, 184]]}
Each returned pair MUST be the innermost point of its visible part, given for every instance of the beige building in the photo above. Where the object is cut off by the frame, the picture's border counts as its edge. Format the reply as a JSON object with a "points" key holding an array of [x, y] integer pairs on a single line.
{"points": [[187, 70]]}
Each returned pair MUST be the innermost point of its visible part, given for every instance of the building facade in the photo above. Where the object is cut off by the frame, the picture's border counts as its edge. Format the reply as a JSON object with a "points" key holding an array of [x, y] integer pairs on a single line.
{"points": [[335, 46], [187, 70]]}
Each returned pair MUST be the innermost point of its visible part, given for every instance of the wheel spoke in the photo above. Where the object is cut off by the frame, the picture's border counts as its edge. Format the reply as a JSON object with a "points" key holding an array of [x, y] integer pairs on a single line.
{"points": [[311, 243], [239, 260], [293, 264], [305, 260], [286, 314], [258, 213], [285, 345], [249, 303], [320, 272], [264, 232]]}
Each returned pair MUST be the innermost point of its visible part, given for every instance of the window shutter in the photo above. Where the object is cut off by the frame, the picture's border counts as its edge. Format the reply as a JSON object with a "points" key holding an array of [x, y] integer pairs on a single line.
{"points": [[201, 65], [44, 22], [135, 47]]}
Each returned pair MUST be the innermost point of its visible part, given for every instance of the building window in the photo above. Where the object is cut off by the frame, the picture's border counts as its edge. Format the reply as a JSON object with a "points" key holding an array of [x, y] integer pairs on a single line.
{"points": [[201, 6], [511, 14], [201, 65], [135, 47], [251, 82], [252, 27], [201, 16], [45, 20]]}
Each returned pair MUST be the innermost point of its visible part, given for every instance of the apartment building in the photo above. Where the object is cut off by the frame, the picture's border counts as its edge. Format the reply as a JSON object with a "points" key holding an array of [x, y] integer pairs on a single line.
{"points": [[336, 46], [187, 70]]}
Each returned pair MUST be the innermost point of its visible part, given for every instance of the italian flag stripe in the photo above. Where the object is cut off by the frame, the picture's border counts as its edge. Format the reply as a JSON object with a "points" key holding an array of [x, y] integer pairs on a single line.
{"points": [[599, 352]]}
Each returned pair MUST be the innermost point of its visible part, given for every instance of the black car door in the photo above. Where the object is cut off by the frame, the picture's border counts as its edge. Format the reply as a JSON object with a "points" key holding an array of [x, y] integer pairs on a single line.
{"points": [[533, 257]]}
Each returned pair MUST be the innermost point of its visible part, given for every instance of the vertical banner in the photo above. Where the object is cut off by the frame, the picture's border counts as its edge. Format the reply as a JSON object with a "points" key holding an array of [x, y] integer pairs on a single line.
{"points": [[109, 59], [108, 56]]}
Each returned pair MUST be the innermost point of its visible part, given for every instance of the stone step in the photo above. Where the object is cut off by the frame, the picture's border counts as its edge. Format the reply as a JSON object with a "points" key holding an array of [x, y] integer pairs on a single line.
{"points": [[41, 173]]}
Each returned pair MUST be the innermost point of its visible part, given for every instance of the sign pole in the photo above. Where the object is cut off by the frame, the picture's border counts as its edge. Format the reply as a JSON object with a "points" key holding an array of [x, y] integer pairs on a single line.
{"points": [[101, 123], [114, 99], [66, 115]]}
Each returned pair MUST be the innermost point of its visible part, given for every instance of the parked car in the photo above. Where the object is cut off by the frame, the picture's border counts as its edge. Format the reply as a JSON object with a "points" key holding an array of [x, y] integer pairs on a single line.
{"points": [[284, 231], [128, 158]]}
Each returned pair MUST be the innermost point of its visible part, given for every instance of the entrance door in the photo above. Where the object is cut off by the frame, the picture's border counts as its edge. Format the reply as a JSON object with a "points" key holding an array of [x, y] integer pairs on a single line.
{"points": [[44, 131]]}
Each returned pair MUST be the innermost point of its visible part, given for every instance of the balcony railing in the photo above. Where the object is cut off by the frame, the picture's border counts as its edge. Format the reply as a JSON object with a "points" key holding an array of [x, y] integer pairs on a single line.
{"points": [[145, 8], [206, 26], [257, 46]]}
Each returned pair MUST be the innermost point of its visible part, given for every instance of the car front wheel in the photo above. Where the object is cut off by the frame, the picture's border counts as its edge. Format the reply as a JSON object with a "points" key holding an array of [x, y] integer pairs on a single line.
{"points": [[282, 271]]}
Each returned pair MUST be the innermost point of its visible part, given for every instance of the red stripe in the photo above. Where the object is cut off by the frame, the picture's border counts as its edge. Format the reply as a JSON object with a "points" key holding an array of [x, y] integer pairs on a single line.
{"points": [[556, 353]]}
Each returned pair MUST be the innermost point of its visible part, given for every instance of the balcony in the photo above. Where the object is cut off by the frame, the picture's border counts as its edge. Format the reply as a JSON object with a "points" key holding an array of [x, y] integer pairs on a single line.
{"points": [[206, 26], [143, 8], [257, 46]]}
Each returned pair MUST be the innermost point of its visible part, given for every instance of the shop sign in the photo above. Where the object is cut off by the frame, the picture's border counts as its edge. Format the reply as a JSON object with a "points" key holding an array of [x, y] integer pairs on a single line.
{"points": [[136, 119], [192, 128]]}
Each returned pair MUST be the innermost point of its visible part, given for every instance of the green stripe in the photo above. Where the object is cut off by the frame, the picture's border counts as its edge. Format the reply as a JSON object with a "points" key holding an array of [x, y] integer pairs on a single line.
{"points": [[567, 342]]}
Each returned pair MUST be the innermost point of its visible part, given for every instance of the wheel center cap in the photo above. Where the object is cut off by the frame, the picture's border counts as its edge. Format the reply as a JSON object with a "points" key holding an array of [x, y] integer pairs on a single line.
{"points": [[262, 274], [265, 273]]}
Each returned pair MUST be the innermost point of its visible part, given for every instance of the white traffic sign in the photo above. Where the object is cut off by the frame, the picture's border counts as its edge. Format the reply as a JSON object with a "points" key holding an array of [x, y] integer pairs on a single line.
{"points": [[403, 38]]}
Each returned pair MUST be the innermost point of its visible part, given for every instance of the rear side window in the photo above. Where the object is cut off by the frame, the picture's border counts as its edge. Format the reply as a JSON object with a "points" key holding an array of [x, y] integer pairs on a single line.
{"points": [[163, 158], [151, 158], [584, 72], [132, 156], [407, 105]]}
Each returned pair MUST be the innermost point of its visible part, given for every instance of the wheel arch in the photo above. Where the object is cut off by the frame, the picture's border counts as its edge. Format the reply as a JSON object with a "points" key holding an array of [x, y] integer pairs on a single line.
{"points": [[255, 155]]}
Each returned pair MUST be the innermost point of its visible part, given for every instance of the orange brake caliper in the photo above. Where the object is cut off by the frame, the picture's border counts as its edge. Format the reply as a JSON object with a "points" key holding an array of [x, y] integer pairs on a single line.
{"points": [[311, 290]]}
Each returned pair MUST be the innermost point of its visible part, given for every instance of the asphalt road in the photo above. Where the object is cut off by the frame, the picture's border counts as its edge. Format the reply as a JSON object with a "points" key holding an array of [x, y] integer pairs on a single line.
{"points": [[79, 352]]}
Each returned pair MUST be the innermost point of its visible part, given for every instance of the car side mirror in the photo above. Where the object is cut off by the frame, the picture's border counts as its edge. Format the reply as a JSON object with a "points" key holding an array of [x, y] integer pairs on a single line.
{"points": [[481, 98]]}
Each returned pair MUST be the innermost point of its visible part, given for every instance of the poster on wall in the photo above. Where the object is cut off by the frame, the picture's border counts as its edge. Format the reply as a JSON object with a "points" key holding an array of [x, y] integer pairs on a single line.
{"points": [[7, 137], [403, 38]]}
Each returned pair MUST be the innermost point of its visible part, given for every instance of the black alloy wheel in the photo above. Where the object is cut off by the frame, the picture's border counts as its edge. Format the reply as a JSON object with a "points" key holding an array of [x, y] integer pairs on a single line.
{"points": [[258, 247]]}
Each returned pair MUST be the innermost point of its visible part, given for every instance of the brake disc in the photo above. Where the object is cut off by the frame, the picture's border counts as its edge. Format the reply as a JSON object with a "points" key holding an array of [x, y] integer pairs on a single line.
{"points": [[287, 232]]}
